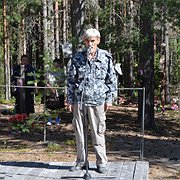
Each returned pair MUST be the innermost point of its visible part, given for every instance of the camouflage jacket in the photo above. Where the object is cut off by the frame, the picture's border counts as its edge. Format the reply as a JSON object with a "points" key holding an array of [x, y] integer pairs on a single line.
{"points": [[92, 81]]}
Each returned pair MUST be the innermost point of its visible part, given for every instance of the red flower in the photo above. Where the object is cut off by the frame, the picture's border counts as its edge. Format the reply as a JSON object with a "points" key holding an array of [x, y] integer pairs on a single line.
{"points": [[18, 118], [11, 119], [24, 116]]}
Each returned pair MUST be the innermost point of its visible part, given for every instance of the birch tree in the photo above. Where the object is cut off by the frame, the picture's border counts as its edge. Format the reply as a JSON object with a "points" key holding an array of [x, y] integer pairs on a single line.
{"points": [[6, 52], [167, 64], [57, 27], [65, 29]]}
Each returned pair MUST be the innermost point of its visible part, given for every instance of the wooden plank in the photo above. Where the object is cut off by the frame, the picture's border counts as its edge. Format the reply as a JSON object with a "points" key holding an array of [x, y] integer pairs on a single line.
{"points": [[94, 174], [51, 170], [65, 169], [62, 168], [35, 169], [114, 170], [67, 174], [40, 171], [10, 169], [93, 171], [5, 171], [57, 166], [22, 173], [127, 171], [141, 170]]}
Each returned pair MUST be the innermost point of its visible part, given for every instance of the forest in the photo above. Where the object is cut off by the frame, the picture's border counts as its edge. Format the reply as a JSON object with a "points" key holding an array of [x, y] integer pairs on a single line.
{"points": [[142, 35]]}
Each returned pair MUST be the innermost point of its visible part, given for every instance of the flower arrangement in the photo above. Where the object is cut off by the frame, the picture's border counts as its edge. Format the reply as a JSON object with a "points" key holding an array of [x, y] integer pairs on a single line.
{"points": [[17, 118], [19, 122], [24, 123]]}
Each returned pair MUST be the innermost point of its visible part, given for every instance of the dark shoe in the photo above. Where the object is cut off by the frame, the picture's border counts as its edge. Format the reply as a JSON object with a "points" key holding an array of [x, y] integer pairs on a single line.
{"points": [[102, 169], [77, 167]]}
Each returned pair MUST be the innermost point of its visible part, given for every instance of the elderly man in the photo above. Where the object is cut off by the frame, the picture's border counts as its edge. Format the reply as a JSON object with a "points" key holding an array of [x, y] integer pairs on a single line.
{"points": [[91, 82]]}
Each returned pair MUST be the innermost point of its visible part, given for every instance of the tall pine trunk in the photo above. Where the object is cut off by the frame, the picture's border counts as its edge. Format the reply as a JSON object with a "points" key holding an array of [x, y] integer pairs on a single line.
{"points": [[167, 70], [57, 42], [6, 53], [77, 17], [45, 26], [64, 21], [146, 64]]}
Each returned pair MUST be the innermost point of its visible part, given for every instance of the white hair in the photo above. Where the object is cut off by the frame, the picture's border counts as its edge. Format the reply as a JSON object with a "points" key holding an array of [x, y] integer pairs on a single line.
{"points": [[91, 33]]}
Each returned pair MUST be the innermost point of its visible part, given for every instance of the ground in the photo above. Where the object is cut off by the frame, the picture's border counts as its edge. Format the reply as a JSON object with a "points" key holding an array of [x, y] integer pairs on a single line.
{"points": [[123, 137]]}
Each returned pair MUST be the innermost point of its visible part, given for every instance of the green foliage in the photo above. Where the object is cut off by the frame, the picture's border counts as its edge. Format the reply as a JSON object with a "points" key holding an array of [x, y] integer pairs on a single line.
{"points": [[3, 100], [170, 9], [53, 147], [22, 123], [114, 20], [18, 122], [175, 67], [174, 11], [39, 117], [119, 37], [70, 142]]}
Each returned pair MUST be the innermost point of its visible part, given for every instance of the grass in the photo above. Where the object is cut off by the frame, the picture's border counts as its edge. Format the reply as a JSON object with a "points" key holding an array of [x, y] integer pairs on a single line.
{"points": [[53, 147], [70, 142]]}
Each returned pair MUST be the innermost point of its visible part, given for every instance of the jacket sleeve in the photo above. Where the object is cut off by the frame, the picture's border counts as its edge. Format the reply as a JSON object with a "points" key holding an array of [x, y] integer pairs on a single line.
{"points": [[71, 82], [111, 80], [15, 74]]}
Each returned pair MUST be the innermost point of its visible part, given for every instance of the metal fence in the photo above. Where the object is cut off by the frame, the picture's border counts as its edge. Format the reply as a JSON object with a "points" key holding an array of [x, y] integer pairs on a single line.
{"points": [[141, 149]]}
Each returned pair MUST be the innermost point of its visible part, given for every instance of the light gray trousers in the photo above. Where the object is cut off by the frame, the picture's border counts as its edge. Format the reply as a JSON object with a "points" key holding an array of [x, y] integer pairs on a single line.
{"points": [[95, 117]]}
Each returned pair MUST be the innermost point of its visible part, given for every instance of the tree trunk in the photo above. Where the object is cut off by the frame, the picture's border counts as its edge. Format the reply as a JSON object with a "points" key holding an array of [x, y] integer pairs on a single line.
{"points": [[167, 91], [77, 17], [131, 54], [45, 25], [24, 37], [6, 54], [57, 42], [65, 27], [48, 24], [102, 5], [146, 64], [97, 22], [128, 61], [39, 46], [51, 29]]}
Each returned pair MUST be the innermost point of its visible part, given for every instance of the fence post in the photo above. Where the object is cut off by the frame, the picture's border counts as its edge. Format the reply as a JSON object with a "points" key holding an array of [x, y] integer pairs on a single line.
{"points": [[142, 127]]}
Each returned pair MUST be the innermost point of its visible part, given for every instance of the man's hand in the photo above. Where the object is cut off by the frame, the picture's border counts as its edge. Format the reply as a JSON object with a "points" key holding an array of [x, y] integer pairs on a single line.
{"points": [[70, 107], [107, 106]]}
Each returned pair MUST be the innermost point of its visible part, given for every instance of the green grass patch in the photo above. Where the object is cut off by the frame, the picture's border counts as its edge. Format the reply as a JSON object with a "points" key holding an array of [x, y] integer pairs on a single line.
{"points": [[53, 147], [70, 142]]}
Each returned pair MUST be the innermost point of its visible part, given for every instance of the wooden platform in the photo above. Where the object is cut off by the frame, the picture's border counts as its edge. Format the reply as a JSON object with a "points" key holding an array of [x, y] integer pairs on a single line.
{"points": [[122, 170]]}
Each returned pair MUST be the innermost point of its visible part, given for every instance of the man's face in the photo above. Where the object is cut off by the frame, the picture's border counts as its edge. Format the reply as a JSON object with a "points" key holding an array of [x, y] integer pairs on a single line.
{"points": [[92, 42], [24, 61]]}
